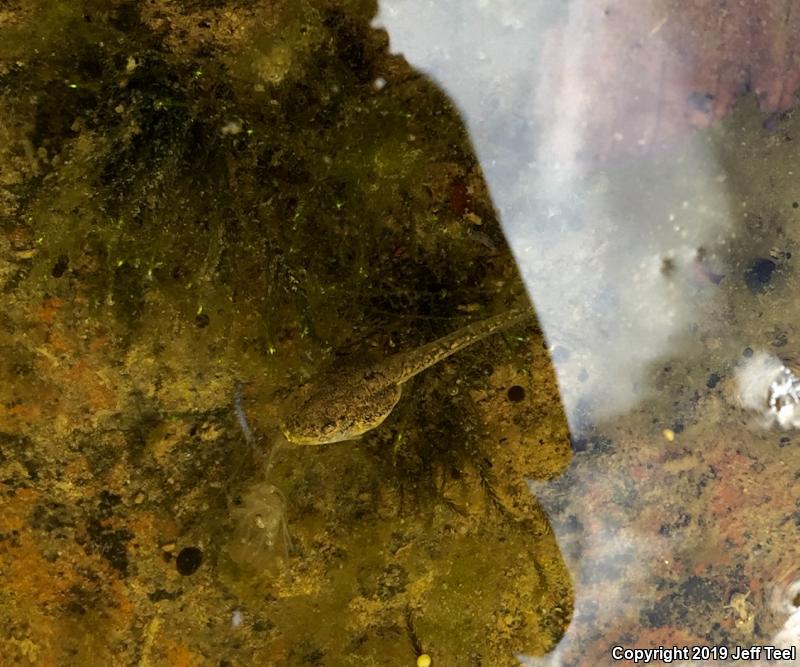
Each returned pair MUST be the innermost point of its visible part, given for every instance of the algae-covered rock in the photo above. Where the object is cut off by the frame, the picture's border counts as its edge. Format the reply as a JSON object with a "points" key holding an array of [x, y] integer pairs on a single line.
{"points": [[195, 196]]}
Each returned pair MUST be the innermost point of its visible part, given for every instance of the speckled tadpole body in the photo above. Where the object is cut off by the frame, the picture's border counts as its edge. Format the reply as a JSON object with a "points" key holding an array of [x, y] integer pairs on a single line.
{"points": [[348, 401]]}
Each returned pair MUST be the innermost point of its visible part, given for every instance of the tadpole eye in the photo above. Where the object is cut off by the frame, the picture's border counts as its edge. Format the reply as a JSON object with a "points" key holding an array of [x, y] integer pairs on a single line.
{"points": [[327, 427]]}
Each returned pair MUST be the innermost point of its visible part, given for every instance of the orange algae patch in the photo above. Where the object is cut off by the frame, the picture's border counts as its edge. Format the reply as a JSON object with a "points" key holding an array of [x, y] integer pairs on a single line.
{"points": [[27, 573], [49, 310], [99, 342], [58, 343], [12, 418], [149, 530], [16, 508], [180, 655], [121, 601]]}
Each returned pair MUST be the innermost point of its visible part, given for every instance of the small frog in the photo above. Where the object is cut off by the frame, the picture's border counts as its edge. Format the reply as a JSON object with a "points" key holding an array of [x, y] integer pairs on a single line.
{"points": [[347, 402]]}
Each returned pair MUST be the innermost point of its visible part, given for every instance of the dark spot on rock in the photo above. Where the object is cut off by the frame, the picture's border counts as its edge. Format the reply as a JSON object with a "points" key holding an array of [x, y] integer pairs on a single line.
{"points": [[595, 443], [306, 653], [747, 352], [583, 375], [795, 204], [202, 320], [516, 393], [700, 592], [759, 274], [579, 444], [773, 121], [695, 593], [75, 608], [780, 339], [682, 521], [51, 516], [107, 502], [392, 582], [60, 267], [110, 543], [263, 625], [601, 443], [559, 354], [701, 101], [712, 381], [459, 197], [162, 594], [572, 525], [188, 560]]}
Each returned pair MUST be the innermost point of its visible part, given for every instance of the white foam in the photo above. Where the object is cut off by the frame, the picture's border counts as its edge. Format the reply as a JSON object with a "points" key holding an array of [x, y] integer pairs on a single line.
{"points": [[771, 390]]}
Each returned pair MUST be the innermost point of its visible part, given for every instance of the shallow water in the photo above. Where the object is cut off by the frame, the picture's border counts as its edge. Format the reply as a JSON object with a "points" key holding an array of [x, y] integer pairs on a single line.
{"points": [[207, 206]]}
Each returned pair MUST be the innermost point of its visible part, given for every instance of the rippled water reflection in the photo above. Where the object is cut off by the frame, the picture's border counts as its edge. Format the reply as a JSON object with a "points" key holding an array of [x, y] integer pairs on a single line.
{"points": [[655, 226]]}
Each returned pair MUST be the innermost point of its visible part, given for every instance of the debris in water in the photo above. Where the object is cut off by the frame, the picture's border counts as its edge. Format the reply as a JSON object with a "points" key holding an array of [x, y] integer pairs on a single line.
{"points": [[767, 386]]}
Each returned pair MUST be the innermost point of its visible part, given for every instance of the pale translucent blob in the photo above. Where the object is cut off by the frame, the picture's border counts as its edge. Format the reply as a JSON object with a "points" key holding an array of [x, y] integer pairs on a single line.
{"points": [[771, 390], [260, 532]]}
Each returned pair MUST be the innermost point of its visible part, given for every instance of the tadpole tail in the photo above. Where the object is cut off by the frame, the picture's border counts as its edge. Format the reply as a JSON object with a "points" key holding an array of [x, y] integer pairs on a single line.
{"points": [[431, 353]]}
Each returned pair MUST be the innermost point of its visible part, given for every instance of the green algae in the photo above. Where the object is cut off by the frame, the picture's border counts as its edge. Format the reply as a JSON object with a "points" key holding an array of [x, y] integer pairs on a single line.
{"points": [[196, 211]]}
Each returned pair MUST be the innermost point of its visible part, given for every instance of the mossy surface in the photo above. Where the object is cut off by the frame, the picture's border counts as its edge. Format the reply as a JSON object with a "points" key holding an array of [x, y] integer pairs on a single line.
{"points": [[197, 196]]}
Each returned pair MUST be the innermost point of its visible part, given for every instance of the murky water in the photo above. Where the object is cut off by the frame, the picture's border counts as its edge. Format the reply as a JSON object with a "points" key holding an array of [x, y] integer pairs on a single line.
{"points": [[213, 211]]}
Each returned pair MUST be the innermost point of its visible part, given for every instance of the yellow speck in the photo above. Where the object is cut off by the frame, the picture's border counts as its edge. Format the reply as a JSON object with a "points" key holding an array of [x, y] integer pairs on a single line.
{"points": [[669, 434], [424, 660]]}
